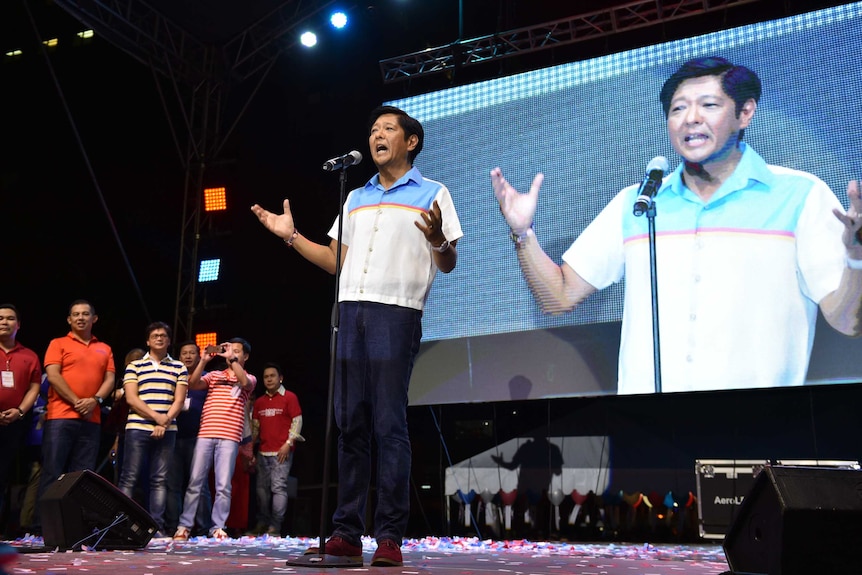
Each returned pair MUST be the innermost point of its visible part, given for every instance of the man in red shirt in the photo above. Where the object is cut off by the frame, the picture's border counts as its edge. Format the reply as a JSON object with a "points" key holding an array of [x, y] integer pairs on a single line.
{"points": [[19, 388], [277, 421]]}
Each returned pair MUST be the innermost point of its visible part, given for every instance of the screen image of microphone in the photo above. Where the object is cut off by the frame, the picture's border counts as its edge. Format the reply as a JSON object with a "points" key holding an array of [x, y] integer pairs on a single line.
{"points": [[655, 171], [340, 162]]}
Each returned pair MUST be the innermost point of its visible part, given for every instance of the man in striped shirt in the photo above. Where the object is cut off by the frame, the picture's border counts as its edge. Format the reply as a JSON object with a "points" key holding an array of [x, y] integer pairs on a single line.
{"points": [[220, 433], [155, 387]]}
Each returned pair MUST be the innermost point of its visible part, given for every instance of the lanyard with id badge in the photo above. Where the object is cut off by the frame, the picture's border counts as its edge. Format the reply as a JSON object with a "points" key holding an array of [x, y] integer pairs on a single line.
{"points": [[8, 378]]}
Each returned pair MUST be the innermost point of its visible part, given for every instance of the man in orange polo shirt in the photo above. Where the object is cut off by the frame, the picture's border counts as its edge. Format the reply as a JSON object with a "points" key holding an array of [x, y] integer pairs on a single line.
{"points": [[80, 369]]}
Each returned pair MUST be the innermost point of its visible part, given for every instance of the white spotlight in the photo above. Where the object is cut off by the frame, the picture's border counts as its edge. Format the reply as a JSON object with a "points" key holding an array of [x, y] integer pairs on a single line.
{"points": [[308, 39], [338, 20]]}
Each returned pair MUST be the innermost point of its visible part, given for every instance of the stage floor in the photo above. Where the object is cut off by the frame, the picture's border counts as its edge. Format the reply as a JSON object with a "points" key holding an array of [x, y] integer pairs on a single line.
{"points": [[443, 556]]}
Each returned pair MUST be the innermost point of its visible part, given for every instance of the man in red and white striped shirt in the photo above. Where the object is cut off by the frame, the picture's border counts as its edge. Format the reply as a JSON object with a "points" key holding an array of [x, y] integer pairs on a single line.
{"points": [[220, 432]]}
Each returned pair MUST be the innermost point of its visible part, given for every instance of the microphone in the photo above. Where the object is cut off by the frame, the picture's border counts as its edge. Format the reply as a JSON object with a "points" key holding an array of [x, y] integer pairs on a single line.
{"points": [[341, 162], [655, 171]]}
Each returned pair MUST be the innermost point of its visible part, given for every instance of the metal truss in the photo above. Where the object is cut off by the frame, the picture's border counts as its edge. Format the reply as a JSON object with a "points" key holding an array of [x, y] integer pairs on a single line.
{"points": [[597, 24], [193, 79], [155, 40], [259, 44], [145, 34]]}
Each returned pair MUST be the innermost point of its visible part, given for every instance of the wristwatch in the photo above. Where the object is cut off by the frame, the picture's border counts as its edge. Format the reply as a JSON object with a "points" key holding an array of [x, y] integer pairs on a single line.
{"points": [[442, 247], [98, 399], [520, 238]]}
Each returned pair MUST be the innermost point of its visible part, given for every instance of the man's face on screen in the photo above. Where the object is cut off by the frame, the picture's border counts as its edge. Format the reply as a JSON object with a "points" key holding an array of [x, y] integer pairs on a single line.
{"points": [[702, 122]]}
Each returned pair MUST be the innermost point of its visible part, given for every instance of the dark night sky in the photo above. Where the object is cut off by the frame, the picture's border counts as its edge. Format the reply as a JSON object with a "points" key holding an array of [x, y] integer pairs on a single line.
{"points": [[59, 242]]}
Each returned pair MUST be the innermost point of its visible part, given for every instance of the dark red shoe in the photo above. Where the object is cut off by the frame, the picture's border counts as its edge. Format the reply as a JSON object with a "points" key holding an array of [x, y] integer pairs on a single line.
{"points": [[338, 547], [388, 554]]}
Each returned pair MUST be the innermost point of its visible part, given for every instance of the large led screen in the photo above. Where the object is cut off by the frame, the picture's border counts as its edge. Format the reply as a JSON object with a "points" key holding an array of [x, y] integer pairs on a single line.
{"points": [[591, 127]]}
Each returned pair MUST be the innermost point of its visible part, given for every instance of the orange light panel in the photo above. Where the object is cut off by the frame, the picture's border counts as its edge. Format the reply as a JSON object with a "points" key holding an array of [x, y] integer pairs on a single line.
{"points": [[205, 339], [215, 200]]}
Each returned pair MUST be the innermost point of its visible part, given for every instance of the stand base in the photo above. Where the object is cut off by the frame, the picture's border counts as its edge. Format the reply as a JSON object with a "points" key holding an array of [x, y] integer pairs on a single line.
{"points": [[317, 560]]}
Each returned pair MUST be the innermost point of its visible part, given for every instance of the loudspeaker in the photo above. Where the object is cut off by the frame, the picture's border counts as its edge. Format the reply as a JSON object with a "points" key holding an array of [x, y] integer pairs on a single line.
{"points": [[798, 520], [81, 504]]}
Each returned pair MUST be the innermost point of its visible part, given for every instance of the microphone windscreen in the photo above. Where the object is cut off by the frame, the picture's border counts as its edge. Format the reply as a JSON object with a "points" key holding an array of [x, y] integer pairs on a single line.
{"points": [[658, 163]]}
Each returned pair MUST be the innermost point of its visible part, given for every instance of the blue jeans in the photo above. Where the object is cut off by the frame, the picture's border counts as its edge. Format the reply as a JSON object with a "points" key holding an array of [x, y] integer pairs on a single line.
{"points": [[272, 483], [67, 445], [179, 473], [220, 456], [376, 347], [141, 447]]}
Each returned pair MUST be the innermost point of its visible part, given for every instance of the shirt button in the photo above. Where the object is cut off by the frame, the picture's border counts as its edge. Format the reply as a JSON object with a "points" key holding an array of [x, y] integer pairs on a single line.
{"points": [[692, 317], [688, 358]]}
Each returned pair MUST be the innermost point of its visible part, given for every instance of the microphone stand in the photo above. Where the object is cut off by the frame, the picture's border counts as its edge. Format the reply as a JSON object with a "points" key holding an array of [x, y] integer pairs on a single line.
{"points": [[656, 346], [321, 559]]}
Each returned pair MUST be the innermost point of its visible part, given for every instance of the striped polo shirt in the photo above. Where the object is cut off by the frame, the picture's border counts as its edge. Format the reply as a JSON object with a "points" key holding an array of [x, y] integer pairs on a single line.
{"points": [[224, 409], [157, 384]]}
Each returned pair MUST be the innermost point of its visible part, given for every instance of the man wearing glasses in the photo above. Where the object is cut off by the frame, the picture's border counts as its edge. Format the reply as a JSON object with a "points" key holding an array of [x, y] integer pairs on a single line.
{"points": [[155, 387]]}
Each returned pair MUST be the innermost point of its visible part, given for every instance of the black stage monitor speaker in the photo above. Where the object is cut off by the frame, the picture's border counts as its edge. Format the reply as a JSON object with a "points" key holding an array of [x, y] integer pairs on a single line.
{"points": [[83, 508], [798, 520]]}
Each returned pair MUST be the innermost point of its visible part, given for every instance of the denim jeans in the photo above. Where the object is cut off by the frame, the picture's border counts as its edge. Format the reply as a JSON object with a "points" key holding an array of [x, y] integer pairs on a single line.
{"points": [[376, 347], [179, 473], [67, 445], [220, 456], [140, 448], [272, 484]]}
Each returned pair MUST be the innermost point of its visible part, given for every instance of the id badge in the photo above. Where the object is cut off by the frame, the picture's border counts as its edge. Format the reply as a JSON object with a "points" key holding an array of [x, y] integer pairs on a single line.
{"points": [[8, 379]]}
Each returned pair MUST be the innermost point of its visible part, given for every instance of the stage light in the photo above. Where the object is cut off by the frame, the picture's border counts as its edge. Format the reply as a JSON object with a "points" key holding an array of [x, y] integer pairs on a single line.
{"points": [[308, 39], [215, 200], [205, 339], [85, 34], [209, 270], [52, 43], [14, 54], [338, 20]]}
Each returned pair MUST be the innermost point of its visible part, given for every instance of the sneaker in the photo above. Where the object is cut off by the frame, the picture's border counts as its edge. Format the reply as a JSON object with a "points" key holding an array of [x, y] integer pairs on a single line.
{"points": [[182, 534], [273, 532], [388, 554], [218, 534], [338, 547]]}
